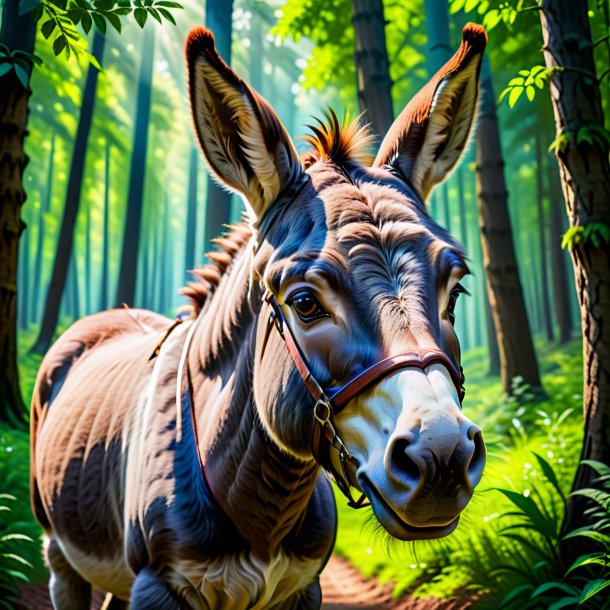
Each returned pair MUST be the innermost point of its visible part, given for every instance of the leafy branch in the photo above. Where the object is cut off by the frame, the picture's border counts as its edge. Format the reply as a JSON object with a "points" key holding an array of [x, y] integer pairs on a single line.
{"points": [[596, 233], [527, 81], [60, 19], [20, 62]]}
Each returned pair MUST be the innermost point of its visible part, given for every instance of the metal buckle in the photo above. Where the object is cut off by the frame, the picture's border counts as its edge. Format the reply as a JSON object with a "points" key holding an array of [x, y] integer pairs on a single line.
{"points": [[324, 418]]}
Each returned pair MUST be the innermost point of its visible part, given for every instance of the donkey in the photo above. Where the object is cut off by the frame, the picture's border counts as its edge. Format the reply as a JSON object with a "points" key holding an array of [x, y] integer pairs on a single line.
{"points": [[182, 465]]}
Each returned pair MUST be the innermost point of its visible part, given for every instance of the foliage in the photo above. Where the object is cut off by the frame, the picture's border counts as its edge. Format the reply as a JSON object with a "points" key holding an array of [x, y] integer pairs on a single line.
{"points": [[19, 61], [546, 582], [11, 563], [60, 19], [538, 76], [595, 233]]}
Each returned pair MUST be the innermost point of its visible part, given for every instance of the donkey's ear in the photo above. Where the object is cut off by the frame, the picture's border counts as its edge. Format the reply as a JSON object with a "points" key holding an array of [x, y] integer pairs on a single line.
{"points": [[243, 140], [427, 139]]}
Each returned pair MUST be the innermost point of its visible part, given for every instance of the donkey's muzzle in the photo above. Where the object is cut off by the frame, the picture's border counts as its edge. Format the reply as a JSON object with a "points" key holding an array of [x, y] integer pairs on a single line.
{"points": [[436, 475]]}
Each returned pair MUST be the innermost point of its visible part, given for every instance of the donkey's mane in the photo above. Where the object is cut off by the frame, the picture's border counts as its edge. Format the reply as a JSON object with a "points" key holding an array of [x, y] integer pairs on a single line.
{"points": [[340, 142], [208, 276]]}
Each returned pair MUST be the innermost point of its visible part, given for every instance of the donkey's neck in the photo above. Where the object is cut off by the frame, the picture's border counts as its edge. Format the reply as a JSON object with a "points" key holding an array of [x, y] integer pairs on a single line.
{"points": [[262, 489]]}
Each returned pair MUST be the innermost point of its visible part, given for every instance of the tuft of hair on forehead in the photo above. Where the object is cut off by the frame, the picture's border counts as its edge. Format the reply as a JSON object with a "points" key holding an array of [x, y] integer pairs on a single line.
{"points": [[341, 142]]}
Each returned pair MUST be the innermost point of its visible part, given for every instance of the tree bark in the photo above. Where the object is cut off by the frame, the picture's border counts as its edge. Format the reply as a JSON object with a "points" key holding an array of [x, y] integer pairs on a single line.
{"points": [[16, 33], [219, 19], [45, 207], [372, 65], [544, 279], [104, 300], [585, 178], [191, 222], [131, 238], [65, 242], [517, 356], [561, 295]]}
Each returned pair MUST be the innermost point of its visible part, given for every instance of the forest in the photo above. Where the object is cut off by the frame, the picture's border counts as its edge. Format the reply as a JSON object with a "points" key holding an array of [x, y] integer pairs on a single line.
{"points": [[105, 200]]}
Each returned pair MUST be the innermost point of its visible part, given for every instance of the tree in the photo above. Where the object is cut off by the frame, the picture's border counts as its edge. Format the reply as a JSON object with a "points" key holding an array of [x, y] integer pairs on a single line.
{"points": [[17, 39], [219, 19], [64, 247], [582, 147], [516, 349], [131, 237], [372, 65]]}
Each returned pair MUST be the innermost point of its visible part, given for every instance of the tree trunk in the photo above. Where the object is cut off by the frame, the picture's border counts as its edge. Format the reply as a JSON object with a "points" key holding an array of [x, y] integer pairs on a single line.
{"points": [[191, 222], [561, 295], [585, 178], [517, 357], [372, 65], [24, 279], [544, 280], [45, 207], [131, 238], [16, 33], [219, 19], [73, 194], [104, 300], [87, 270]]}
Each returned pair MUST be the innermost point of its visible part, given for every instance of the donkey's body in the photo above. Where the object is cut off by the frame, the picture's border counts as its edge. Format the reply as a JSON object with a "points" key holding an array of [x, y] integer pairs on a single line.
{"points": [[192, 478]]}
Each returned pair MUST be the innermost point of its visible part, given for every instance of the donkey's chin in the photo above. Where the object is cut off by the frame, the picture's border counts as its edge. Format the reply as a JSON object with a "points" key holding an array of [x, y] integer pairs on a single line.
{"points": [[395, 525]]}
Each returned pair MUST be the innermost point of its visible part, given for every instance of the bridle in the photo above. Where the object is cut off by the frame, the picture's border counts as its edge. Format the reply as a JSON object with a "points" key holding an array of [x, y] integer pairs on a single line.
{"points": [[330, 402]]}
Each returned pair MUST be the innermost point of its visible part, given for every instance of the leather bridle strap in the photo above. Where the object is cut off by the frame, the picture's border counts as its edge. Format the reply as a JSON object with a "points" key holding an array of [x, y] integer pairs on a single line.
{"points": [[332, 401]]}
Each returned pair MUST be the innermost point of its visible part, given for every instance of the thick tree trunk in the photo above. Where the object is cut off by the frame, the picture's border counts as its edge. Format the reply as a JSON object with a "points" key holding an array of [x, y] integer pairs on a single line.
{"points": [[544, 279], [104, 300], [191, 219], [128, 270], [45, 207], [585, 177], [561, 288], [517, 356], [219, 19], [16, 33], [372, 65], [65, 242]]}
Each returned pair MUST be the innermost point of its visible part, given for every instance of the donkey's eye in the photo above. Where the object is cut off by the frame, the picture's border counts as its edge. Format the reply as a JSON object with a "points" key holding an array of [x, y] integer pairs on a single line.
{"points": [[307, 307], [453, 297]]}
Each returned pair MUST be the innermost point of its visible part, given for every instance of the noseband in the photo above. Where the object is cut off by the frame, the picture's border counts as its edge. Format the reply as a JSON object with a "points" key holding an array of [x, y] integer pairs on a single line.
{"points": [[329, 402]]}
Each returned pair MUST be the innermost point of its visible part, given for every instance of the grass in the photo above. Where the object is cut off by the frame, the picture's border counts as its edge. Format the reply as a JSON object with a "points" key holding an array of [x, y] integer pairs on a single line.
{"points": [[466, 559]]}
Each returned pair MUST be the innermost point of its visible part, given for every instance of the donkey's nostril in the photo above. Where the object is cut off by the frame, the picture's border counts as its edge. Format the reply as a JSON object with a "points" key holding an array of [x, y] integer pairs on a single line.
{"points": [[403, 464], [477, 461]]}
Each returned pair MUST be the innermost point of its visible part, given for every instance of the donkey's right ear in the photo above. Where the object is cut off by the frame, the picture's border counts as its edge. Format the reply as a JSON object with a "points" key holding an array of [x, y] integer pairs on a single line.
{"points": [[244, 142]]}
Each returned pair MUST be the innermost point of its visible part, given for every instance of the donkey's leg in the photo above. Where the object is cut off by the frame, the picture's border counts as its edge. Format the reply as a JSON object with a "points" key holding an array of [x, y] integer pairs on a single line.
{"points": [[149, 592], [67, 588]]}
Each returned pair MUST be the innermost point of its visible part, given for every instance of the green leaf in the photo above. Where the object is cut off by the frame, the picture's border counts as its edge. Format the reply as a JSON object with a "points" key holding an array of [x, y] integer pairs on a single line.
{"points": [[114, 21], [592, 588], [140, 16], [491, 19], [549, 586], [155, 14], [167, 15], [599, 467], [93, 60], [5, 68], [515, 94], [456, 6], [513, 82], [46, 29], [100, 22], [549, 473], [168, 4], [104, 5], [75, 15], [22, 75], [592, 534], [7, 537], [516, 593], [531, 92], [585, 560], [59, 44], [86, 22], [564, 602]]}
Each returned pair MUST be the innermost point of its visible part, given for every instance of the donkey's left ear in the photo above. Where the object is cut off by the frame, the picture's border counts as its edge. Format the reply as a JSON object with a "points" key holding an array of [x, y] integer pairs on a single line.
{"points": [[427, 139], [244, 142]]}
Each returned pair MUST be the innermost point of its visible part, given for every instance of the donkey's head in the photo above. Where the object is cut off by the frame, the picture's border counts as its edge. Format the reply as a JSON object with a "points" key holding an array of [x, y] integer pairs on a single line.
{"points": [[362, 285]]}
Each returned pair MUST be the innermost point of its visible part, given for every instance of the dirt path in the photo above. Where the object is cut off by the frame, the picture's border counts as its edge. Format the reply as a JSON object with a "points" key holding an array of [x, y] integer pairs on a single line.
{"points": [[343, 588]]}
